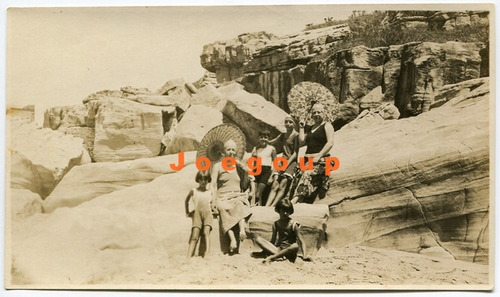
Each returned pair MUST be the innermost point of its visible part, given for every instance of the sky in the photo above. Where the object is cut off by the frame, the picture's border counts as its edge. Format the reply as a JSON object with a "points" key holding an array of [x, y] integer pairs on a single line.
{"points": [[58, 56]]}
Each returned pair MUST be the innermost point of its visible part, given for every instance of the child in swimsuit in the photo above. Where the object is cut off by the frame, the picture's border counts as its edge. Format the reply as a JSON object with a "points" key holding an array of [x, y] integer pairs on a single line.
{"points": [[202, 214], [286, 238], [267, 154]]}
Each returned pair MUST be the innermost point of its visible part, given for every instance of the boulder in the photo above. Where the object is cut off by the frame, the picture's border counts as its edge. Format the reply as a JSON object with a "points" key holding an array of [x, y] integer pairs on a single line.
{"points": [[65, 116], [428, 66], [208, 78], [252, 113], [85, 133], [369, 118], [171, 85], [372, 100], [208, 96], [89, 181], [195, 123], [423, 182], [41, 157], [126, 130], [120, 233], [464, 89], [348, 111], [313, 220], [23, 203]]}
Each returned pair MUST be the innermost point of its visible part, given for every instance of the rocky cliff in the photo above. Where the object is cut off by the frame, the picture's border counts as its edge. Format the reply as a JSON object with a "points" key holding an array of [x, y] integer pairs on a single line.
{"points": [[405, 75], [420, 184]]}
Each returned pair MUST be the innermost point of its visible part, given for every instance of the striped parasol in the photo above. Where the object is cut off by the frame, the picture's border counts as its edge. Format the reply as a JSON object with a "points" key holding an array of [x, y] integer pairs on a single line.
{"points": [[305, 94], [212, 144]]}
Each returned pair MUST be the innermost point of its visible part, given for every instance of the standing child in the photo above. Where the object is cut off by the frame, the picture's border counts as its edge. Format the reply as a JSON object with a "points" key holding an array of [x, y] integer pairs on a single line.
{"points": [[286, 237], [202, 214], [267, 154], [289, 143]]}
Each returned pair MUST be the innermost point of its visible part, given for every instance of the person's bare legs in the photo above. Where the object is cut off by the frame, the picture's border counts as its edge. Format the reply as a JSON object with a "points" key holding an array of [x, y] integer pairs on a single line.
{"points": [[274, 191], [206, 233], [281, 192], [291, 250], [233, 245], [266, 245], [243, 233], [193, 240], [259, 193]]}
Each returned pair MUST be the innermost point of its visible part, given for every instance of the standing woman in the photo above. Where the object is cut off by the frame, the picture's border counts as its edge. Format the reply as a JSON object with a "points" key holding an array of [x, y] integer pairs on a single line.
{"points": [[319, 141], [231, 198]]}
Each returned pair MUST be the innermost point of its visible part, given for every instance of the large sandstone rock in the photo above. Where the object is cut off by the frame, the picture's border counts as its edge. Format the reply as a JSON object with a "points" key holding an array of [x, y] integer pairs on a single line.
{"points": [[266, 64], [313, 220], [195, 123], [369, 118], [428, 66], [252, 113], [23, 203], [208, 96], [89, 181], [422, 184], [65, 116], [121, 233], [41, 157], [126, 130]]}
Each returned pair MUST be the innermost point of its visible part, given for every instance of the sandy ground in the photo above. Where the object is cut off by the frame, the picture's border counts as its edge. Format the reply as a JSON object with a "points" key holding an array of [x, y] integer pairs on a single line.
{"points": [[348, 267]]}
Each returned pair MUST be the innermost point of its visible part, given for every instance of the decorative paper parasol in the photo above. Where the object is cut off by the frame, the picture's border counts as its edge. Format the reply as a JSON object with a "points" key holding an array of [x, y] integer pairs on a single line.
{"points": [[212, 144], [305, 94]]}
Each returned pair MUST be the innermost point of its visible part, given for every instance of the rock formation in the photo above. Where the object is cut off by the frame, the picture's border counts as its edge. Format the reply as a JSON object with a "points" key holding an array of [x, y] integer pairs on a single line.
{"points": [[40, 167], [418, 183], [86, 182], [195, 123], [252, 113]]}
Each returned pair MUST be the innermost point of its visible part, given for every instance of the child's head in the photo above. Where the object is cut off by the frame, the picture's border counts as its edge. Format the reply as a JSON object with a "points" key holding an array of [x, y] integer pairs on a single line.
{"points": [[203, 176], [264, 136], [284, 204]]}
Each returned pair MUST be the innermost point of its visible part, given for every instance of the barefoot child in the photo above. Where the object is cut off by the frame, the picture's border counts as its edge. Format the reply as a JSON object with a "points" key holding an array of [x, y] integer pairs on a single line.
{"points": [[289, 143], [267, 154], [202, 214], [286, 237]]}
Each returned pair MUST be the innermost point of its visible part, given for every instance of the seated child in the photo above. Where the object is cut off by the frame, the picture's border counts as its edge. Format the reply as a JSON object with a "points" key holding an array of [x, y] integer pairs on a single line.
{"points": [[267, 154], [289, 142], [286, 237], [202, 215]]}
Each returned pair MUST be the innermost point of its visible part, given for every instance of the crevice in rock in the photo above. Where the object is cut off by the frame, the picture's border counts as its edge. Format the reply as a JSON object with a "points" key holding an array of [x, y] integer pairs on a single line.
{"points": [[481, 233], [421, 208]]}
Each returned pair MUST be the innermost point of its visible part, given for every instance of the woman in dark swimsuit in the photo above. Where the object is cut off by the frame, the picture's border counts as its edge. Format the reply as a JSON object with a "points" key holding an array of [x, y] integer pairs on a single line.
{"points": [[319, 141]]}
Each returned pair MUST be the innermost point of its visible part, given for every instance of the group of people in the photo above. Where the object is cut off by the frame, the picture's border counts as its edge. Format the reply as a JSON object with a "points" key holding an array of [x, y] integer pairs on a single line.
{"points": [[228, 194]]}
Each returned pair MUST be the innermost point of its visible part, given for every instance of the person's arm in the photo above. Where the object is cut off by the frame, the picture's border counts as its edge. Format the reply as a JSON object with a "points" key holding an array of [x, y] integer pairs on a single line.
{"points": [[273, 237], [213, 183], [293, 157], [275, 141], [302, 134], [186, 204], [301, 242], [329, 142], [273, 156]]}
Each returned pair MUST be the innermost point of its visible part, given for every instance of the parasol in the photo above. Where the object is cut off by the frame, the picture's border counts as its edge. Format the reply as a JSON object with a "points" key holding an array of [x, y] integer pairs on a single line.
{"points": [[212, 144], [305, 94]]}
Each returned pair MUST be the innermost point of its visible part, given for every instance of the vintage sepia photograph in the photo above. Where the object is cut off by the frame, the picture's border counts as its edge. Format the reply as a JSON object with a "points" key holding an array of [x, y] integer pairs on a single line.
{"points": [[265, 147]]}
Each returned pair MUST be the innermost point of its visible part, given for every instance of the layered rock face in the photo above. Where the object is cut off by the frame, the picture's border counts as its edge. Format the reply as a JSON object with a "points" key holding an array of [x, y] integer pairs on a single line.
{"points": [[126, 130], [269, 65], [419, 184], [362, 78], [40, 167], [89, 181], [123, 124]]}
